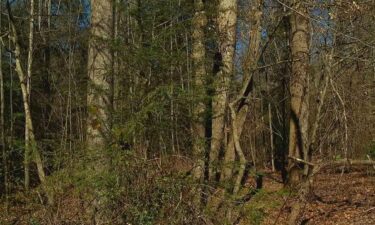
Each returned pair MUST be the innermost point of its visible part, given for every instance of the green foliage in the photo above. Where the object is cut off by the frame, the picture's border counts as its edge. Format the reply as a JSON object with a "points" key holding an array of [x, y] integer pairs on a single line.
{"points": [[256, 210], [256, 216], [153, 196], [337, 157], [34, 222], [371, 150]]}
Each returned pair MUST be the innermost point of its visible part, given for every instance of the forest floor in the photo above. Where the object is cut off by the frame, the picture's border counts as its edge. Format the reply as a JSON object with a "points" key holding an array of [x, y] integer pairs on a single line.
{"points": [[337, 198]]}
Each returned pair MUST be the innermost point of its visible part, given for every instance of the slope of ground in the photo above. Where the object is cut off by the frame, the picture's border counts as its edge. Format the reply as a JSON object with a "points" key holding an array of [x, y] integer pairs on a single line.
{"points": [[337, 199]]}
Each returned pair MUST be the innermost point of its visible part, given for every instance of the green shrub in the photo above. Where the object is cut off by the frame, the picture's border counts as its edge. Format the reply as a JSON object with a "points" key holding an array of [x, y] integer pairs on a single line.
{"points": [[371, 150]]}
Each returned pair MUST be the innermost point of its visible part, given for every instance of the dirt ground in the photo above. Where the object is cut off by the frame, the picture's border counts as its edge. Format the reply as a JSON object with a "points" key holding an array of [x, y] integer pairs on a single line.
{"points": [[337, 198]]}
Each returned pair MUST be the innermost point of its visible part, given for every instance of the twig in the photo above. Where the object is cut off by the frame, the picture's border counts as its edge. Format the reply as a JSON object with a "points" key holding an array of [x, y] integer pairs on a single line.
{"points": [[369, 158], [302, 161], [370, 209]]}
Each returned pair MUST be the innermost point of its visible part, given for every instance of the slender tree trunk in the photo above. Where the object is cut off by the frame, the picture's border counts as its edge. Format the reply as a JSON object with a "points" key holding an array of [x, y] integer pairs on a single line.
{"points": [[31, 151], [199, 56], [272, 147], [44, 31], [298, 133], [11, 125], [116, 62], [99, 102], [28, 92], [226, 22], [2, 124]]}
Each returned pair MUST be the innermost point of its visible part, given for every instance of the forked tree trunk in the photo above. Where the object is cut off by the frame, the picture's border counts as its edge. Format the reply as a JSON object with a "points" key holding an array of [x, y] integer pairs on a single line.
{"points": [[99, 103], [299, 25], [240, 104], [226, 22], [238, 110]]}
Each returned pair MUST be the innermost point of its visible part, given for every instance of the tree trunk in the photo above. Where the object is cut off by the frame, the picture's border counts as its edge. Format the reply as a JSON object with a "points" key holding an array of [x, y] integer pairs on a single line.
{"points": [[299, 25], [2, 124], [199, 56], [99, 103], [28, 92], [238, 111], [272, 148], [31, 148], [240, 102], [226, 22]]}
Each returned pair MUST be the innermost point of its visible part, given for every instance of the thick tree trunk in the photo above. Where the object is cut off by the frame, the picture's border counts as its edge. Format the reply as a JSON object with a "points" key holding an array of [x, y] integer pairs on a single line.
{"points": [[99, 103], [298, 133], [226, 22]]}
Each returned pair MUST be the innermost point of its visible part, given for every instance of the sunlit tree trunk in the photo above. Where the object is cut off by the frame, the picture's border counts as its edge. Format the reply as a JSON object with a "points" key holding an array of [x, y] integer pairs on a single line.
{"points": [[99, 102], [298, 133], [31, 148], [238, 108], [226, 22], [239, 103], [28, 92], [198, 56]]}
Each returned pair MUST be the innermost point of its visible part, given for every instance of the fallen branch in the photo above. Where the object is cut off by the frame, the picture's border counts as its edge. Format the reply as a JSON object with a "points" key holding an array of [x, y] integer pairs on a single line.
{"points": [[369, 158], [301, 161], [341, 162], [352, 162]]}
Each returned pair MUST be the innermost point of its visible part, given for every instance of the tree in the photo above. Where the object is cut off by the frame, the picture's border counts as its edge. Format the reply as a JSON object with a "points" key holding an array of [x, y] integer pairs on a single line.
{"points": [[200, 77], [2, 123], [298, 123], [239, 105], [31, 148], [226, 28], [99, 101]]}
